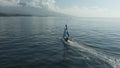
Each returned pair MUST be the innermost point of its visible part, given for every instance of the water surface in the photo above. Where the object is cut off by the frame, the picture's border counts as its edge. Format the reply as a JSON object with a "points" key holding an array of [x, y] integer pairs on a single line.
{"points": [[34, 42]]}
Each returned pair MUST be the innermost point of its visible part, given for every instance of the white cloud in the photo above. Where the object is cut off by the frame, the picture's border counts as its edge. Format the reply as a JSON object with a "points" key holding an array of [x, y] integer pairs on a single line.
{"points": [[49, 4], [84, 11], [9, 2], [73, 10]]}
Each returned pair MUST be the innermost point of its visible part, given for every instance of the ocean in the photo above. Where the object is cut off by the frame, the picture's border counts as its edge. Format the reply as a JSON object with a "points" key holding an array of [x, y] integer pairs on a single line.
{"points": [[35, 42]]}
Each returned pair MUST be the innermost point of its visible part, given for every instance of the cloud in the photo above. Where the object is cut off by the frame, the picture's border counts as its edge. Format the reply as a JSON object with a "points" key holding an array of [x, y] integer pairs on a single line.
{"points": [[48, 4], [9, 2], [32, 7], [88, 11], [84, 11]]}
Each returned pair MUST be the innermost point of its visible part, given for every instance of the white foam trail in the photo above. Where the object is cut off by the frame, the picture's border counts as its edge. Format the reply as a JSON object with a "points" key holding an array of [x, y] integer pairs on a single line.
{"points": [[113, 61]]}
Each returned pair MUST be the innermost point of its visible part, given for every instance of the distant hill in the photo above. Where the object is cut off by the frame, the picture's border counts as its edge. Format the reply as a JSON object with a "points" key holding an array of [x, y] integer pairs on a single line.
{"points": [[9, 14], [27, 11]]}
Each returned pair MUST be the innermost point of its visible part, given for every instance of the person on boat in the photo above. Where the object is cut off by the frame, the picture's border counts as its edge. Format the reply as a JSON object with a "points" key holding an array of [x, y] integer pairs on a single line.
{"points": [[66, 34]]}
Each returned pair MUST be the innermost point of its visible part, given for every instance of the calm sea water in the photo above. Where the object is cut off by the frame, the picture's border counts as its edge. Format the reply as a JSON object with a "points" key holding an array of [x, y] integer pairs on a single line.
{"points": [[34, 42]]}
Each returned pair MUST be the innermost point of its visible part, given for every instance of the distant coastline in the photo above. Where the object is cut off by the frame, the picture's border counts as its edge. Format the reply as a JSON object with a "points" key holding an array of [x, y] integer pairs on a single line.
{"points": [[15, 14], [8, 14]]}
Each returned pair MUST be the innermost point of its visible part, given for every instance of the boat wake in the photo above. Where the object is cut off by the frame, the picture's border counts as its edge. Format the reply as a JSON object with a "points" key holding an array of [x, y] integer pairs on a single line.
{"points": [[113, 61]]}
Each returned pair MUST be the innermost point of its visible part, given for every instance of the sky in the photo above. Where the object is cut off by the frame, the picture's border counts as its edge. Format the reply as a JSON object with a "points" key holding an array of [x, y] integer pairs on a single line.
{"points": [[80, 8]]}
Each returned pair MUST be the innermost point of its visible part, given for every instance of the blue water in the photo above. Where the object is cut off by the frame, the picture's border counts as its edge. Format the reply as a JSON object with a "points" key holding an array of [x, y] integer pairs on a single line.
{"points": [[34, 42]]}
